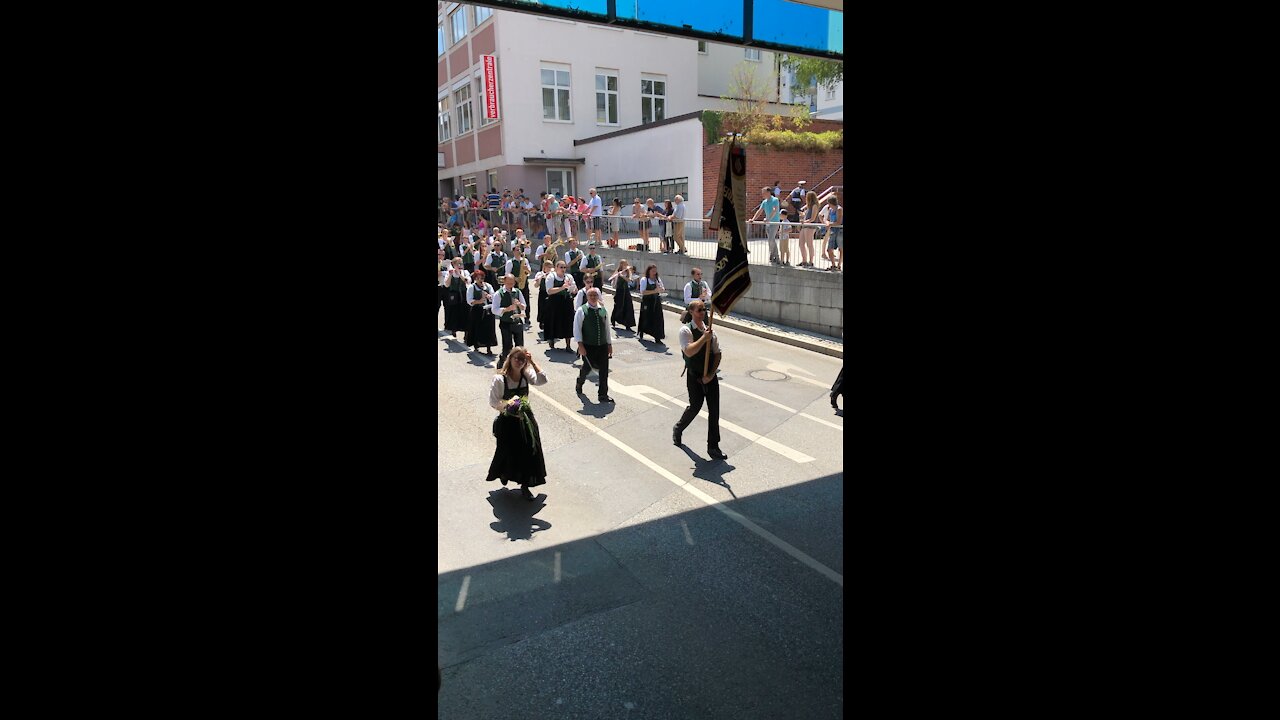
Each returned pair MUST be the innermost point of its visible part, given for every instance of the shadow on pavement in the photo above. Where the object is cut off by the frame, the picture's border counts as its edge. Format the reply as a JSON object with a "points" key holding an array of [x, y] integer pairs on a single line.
{"points": [[515, 514], [620, 617], [713, 471], [559, 355]]}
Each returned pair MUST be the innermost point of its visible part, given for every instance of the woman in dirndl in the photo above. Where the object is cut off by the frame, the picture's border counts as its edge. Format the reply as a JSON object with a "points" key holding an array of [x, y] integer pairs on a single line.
{"points": [[561, 289], [481, 325], [541, 281], [651, 292], [624, 313], [518, 455], [455, 307]]}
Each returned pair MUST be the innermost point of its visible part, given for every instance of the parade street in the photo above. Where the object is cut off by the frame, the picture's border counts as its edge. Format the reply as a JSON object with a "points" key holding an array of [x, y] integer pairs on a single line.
{"points": [[646, 580]]}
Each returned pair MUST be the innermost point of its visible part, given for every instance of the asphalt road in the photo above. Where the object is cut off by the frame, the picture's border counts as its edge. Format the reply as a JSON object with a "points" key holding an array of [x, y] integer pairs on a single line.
{"points": [[646, 580]]}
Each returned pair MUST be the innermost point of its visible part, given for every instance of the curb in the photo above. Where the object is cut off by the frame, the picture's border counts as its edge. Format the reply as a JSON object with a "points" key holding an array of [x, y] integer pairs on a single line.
{"points": [[752, 329]]}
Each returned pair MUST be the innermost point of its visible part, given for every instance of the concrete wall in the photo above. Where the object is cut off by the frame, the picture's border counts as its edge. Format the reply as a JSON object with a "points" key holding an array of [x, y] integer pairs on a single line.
{"points": [[803, 299]]}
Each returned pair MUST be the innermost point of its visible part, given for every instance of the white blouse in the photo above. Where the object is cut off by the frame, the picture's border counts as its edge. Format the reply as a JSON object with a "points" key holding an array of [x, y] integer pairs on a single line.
{"points": [[501, 384], [647, 284]]}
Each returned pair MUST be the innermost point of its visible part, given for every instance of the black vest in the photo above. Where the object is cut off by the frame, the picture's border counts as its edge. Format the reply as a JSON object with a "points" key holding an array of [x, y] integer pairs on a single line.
{"points": [[507, 300], [696, 362]]}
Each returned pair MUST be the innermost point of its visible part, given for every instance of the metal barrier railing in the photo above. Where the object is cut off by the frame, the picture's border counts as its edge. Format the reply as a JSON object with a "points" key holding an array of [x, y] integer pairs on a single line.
{"points": [[799, 246]]}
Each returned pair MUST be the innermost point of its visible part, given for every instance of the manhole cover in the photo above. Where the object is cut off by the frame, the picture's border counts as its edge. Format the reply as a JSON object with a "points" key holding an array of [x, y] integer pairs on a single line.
{"points": [[767, 375]]}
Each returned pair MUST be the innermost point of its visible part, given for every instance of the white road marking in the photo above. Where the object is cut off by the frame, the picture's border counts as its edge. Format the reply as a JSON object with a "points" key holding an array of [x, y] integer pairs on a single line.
{"points": [[763, 441], [462, 595], [769, 537], [780, 405], [687, 537], [556, 576], [638, 391]]}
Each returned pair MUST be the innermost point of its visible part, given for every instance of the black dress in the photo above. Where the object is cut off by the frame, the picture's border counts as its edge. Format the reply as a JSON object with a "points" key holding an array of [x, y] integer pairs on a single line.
{"points": [[651, 313], [455, 306], [518, 456], [482, 325], [560, 312], [838, 387], [624, 312], [542, 302]]}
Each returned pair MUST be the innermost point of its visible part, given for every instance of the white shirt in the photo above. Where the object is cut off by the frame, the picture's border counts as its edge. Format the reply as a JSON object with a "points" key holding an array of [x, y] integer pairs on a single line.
{"points": [[567, 283], [513, 267], [501, 384], [647, 284], [690, 297], [496, 305], [582, 313], [686, 337], [597, 207], [581, 299], [475, 289]]}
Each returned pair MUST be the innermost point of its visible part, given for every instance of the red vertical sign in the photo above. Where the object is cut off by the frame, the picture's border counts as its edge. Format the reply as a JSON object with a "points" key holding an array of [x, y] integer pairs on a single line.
{"points": [[490, 88]]}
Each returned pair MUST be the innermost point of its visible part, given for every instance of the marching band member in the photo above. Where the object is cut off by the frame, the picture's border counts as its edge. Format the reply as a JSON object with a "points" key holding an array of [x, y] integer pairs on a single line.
{"points": [[651, 294], [509, 307], [560, 289], [480, 323], [697, 289], [595, 343], [624, 313]]}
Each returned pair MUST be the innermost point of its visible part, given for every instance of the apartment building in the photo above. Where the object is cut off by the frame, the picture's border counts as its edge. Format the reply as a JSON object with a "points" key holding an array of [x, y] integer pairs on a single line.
{"points": [[579, 105]]}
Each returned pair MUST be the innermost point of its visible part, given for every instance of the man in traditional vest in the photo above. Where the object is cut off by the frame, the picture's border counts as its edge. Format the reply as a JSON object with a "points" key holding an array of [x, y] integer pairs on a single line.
{"points": [[515, 266], [494, 267], [697, 289], [590, 264], [595, 345], [695, 337], [508, 302], [572, 259]]}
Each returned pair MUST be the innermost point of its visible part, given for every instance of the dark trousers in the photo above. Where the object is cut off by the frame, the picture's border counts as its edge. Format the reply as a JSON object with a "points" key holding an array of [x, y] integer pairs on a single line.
{"points": [[510, 332], [598, 358], [697, 392]]}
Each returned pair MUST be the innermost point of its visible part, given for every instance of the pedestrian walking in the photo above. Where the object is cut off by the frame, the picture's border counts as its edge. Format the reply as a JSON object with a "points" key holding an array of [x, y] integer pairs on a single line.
{"points": [[837, 389], [539, 281], [769, 207], [455, 306], [572, 259], [581, 298], [517, 456], [590, 265]]}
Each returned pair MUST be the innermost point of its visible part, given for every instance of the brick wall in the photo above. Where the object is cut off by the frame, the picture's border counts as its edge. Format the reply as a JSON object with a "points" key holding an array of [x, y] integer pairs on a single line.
{"points": [[764, 165]]}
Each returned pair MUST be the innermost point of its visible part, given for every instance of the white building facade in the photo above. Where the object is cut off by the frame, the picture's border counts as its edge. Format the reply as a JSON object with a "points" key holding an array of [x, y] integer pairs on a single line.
{"points": [[579, 105]]}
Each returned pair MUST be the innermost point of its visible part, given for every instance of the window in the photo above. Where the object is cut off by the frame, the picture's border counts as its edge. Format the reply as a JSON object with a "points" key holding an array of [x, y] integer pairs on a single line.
{"points": [[469, 187], [831, 92], [493, 178], [653, 98], [560, 180], [442, 110], [439, 40], [702, 47], [555, 94], [606, 97], [752, 54], [459, 18], [480, 103], [482, 14], [462, 101]]}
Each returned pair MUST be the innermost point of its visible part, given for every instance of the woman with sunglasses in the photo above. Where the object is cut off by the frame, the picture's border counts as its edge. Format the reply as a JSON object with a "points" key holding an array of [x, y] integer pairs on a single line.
{"points": [[518, 455]]}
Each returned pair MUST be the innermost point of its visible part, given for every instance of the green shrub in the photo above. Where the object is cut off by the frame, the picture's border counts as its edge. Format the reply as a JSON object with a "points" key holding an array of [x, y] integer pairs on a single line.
{"points": [[790, 140]]}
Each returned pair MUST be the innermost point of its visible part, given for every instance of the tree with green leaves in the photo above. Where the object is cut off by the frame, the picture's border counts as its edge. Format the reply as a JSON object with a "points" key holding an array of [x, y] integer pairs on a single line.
{"points": [[814, 71]]}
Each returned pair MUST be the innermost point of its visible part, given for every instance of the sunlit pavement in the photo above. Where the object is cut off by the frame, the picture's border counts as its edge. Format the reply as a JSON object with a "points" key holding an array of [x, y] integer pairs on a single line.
{"points": [[646, 581]]}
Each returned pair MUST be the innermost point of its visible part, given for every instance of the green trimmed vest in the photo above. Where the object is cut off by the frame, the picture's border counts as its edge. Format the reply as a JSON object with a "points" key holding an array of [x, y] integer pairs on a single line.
{"points": [[469, 261], [697, 287], [593, 262], [477, 293], [574, 257], [507, 300], [695, 363], [593, 328]]}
